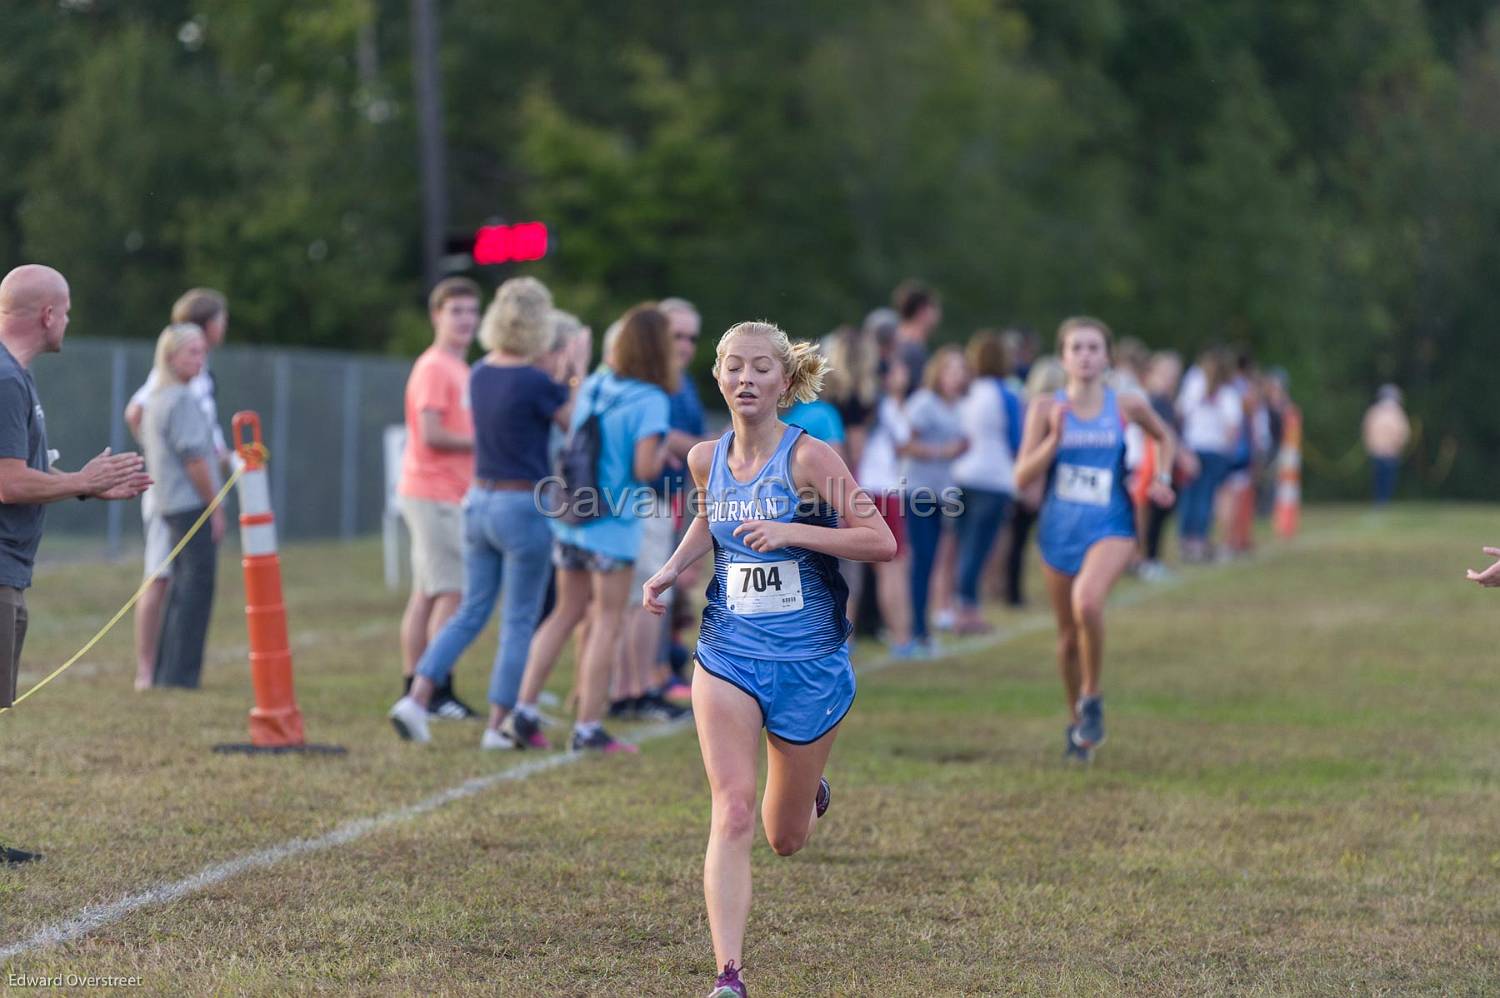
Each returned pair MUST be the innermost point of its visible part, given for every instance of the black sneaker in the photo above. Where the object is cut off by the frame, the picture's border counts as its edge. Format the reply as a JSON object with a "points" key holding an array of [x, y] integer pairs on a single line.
{"points": [[626, 709], [446, 704], [525, 732], [654, 707], [15, 857], [603, 742]]}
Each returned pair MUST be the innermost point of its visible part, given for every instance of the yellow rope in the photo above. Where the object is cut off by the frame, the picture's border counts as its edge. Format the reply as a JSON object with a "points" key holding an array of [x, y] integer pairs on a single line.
{"points": [[155, 574]]}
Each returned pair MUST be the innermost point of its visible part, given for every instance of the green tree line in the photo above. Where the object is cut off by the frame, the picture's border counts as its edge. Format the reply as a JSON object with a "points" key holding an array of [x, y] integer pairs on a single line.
{"points": [[1313, 181]]}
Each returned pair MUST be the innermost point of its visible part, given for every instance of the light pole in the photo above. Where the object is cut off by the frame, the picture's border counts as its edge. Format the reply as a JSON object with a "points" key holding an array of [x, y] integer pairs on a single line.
{"points": [[433, 161]]}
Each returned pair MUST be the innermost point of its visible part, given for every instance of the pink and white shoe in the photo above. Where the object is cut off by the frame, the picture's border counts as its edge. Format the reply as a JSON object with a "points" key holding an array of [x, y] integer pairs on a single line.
{"points": [[729, 984]]}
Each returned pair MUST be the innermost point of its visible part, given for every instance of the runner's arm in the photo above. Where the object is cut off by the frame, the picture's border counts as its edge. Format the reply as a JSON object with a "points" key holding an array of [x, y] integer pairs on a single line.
{"points": [[1138, 410], [1039, 442], [696, 541], [816, 467]]}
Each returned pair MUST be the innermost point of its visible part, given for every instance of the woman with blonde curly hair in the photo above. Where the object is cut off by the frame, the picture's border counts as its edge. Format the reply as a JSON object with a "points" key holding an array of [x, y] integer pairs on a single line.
{"points": [[522, 387], [772, 650], [597, 529]]}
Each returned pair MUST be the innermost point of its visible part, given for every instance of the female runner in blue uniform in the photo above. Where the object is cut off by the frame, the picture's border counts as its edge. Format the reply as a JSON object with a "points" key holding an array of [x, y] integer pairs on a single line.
{"points": [[1087, 537], [772, 651]]}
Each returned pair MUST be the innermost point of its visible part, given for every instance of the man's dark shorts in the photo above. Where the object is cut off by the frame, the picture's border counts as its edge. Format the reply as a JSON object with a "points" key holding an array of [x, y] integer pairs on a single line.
{"points": [[12, 637]]}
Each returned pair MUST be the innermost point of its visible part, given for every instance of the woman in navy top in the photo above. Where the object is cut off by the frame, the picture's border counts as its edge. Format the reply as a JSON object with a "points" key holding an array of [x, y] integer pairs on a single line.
{"points": [[1076, 439], [772, 651], [515, 402]]}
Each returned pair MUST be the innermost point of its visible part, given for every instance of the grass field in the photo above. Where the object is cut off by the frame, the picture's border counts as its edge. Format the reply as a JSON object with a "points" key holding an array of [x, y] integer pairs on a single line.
{"points": [[1300, 794]]}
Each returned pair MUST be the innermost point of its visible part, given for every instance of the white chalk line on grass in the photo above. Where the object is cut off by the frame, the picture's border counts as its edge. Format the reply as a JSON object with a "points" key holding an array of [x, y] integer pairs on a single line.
{"points": [[98, 916]]}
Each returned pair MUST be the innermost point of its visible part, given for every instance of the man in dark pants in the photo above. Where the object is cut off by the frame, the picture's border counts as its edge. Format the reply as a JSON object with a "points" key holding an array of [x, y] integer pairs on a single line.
{"points": [[34, 305]]}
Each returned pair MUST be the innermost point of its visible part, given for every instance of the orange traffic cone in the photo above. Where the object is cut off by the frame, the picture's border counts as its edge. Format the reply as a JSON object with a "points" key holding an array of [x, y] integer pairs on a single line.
{"points": [[275, 720], [1288, 512]]}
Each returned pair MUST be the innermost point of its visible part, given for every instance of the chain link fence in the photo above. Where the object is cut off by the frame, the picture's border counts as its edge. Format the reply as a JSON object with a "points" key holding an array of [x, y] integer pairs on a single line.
{"points": [[323, 415]]}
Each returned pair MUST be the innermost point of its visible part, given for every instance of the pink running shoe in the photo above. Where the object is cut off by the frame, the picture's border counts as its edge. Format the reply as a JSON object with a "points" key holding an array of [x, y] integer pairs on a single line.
{"points": [[603, 742], [729, 984], [524, 732]]}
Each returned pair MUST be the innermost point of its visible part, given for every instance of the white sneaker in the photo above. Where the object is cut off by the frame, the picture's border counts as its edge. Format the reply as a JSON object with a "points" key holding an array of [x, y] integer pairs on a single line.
{"points": [[492, 739], [944, 620], [410, 720], [1155, 571]]}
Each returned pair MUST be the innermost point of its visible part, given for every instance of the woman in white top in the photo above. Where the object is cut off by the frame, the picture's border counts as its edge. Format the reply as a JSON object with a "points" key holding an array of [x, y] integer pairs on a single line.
{"points": [[879, 474], [1212, 413], [931, 504], [985, 473]]}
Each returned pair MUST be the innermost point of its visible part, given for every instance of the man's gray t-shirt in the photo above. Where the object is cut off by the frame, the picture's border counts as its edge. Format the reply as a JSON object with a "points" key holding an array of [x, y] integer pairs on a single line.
{"points": [[23, 436], [174, 430]]}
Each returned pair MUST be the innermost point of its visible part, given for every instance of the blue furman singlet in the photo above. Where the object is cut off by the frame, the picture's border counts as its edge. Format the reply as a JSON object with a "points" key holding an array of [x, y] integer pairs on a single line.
{"points": [[774, 624], [785, 604], [1087, 498]]}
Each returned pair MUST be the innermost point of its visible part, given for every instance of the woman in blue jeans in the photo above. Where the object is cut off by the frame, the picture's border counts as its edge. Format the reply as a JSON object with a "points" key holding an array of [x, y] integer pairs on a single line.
{"points": [[1212, 415], [507, 542], [992, 416]]}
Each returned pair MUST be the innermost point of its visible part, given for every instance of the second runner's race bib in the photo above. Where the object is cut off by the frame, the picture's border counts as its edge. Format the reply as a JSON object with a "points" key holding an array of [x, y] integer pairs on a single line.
{"points": [[1090, 486], [763, 587]]}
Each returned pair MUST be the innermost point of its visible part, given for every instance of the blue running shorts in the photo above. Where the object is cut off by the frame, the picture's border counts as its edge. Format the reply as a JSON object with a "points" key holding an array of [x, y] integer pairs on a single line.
{"points": [[800, 701], [1066, 554]]}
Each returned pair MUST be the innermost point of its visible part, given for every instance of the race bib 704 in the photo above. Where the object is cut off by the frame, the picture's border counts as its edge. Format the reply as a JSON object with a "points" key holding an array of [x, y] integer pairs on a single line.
{"points": [[764, 587]]}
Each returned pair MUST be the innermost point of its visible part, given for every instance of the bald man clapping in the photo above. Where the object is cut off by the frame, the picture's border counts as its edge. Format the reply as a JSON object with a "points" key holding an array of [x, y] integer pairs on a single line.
{"points": [[34, 304]]}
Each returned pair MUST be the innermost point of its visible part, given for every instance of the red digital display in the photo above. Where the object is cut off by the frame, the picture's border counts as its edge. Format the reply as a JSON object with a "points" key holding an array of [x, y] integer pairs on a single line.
{"points": [[510, 243]]}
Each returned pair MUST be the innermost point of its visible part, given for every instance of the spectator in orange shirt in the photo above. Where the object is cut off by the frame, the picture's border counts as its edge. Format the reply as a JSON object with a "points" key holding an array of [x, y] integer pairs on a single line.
{"points": [[436, 471]]}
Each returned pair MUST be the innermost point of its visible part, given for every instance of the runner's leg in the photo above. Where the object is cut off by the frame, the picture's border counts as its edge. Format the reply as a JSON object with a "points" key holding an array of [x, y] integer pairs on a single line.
{"points": [[1060, 593], [1105, 562], [729, 724], [792, 775]]}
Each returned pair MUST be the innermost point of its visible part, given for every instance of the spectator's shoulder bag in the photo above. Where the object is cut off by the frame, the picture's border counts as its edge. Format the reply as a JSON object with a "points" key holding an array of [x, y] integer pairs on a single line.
{"points": [[582, 498]]}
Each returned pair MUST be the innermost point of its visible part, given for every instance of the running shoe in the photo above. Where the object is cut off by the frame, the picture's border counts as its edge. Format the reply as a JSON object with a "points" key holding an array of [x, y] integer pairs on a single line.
{"points": [[1074, 751], [493, 740], [655, 707], [1090, 730], [944, 620], [906, 650], [15, 857], [410, 720], [824, 798], [728, 984], [1154, 571], [523, 731], [603, 742], [625, 709]]}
